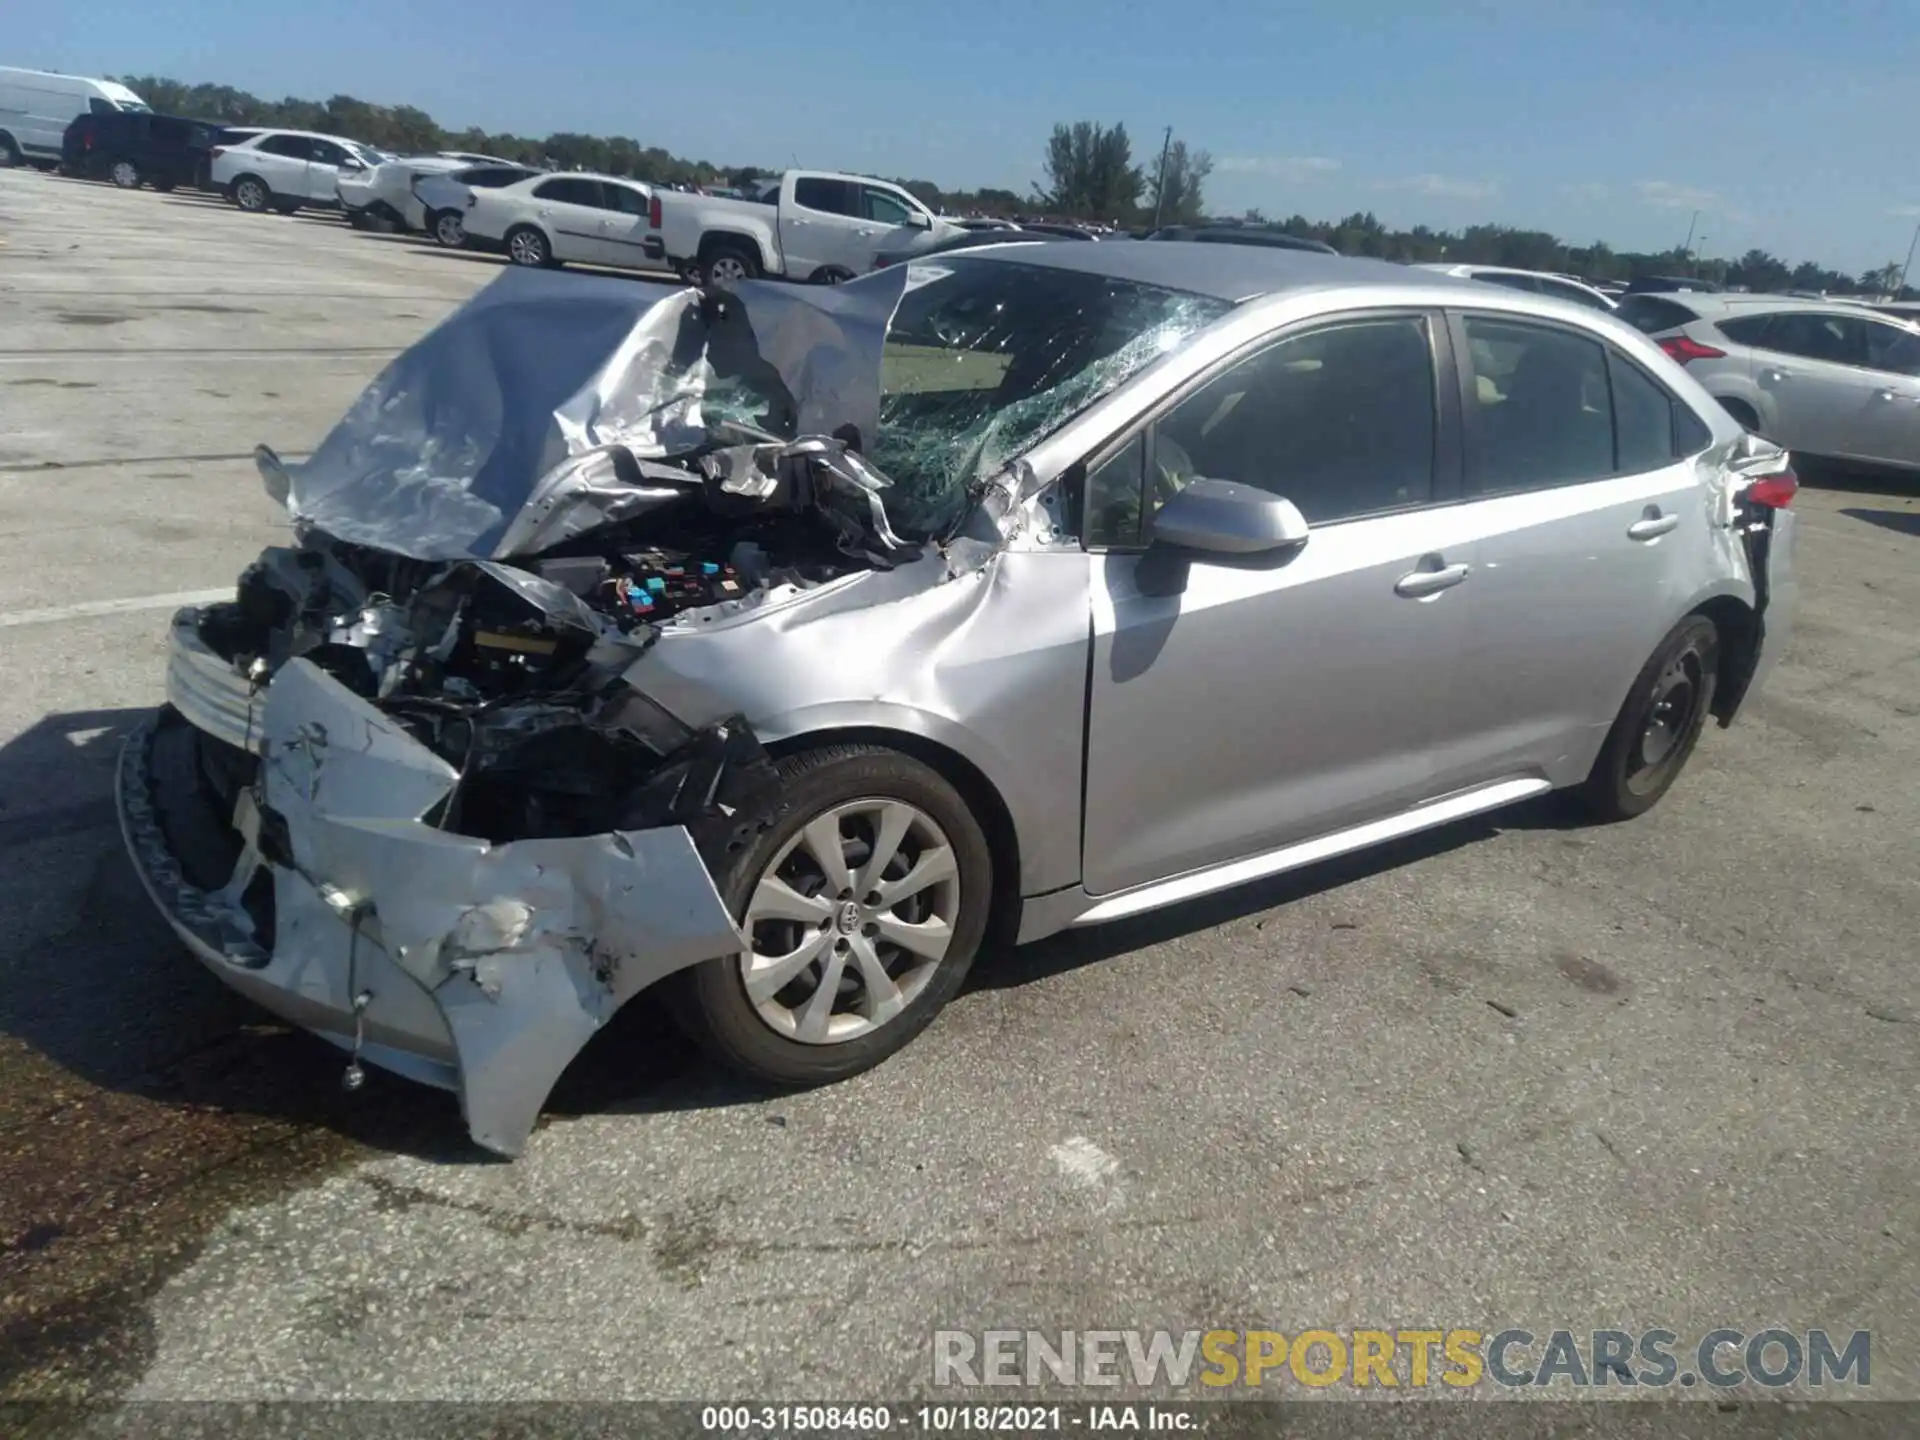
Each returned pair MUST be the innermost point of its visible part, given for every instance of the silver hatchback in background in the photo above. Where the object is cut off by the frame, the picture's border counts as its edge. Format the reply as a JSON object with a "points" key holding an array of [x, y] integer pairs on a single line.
{"points": [[786, 648], [1822, 378]]}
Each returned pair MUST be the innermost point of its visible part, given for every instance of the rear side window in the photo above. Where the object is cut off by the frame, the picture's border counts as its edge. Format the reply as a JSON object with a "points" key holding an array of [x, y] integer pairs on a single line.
{"points": [[568, 190], [294, 147], [1643, 419], [1746, 329], [1540, 404], [1651, 315], [832, 197]]}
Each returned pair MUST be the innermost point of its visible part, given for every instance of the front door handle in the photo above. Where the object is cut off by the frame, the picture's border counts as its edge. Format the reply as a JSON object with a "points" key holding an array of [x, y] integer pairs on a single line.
{"points": [[1418, 583], [1652, 528]]}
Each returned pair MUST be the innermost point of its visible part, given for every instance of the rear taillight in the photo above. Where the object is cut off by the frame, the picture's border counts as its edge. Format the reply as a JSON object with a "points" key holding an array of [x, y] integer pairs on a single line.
{"points": [[1776, 492], [1684, 348], [653, 212]]}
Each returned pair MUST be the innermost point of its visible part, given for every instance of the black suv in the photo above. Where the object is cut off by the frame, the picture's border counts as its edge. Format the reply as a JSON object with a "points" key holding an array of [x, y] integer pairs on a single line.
{"points": [[133, 149]]}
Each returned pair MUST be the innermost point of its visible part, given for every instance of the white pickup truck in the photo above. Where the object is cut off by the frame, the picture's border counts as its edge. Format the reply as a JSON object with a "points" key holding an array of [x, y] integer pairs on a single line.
{"points": [[807, 225]]}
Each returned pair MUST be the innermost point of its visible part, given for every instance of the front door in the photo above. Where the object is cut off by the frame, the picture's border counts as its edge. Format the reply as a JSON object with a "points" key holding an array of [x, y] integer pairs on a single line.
{"points": [[1589, 527], [1891, 426], [1810, 363], [624, 228], [571, 210], [329, 163], [1235, 708], [823, 226]]}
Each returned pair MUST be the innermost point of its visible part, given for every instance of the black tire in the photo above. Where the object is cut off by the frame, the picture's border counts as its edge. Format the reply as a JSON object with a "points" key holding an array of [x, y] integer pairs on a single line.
{"points": [[198, 835], [444, 225], [527, 245], [251, 194], [723, 262], [10, 155], [1659, 724], [710, 1000], [1743, 413], [125, 174], [832, 275]]}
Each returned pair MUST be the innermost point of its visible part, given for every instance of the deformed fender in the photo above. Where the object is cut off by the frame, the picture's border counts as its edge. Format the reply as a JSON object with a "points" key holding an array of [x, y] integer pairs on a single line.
{"points": [[526, 948]]}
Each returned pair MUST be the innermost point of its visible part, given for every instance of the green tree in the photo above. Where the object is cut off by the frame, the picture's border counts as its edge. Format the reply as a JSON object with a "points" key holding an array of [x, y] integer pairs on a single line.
{"points": [[1090, 172], [1173, 193]]}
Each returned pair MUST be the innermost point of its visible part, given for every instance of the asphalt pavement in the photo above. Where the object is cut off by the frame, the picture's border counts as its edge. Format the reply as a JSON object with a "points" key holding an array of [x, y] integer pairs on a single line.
{"points": [[1514, 1072]]}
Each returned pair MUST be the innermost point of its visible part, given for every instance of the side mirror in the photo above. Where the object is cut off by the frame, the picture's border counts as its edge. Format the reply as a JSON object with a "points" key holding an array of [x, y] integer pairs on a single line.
{"points": [[919, 219], [1220, 517]]}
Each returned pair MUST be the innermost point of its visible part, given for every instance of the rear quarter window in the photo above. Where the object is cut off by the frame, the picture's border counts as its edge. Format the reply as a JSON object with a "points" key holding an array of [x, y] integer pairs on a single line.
{"points": [[1747, 329]]}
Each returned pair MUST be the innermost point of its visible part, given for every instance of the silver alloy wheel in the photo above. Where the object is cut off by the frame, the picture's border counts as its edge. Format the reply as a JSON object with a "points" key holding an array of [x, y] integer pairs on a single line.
{"points": [[250, 195], [726, 270], [450, 230], [528, 248], [125, 175], [849, 921]]}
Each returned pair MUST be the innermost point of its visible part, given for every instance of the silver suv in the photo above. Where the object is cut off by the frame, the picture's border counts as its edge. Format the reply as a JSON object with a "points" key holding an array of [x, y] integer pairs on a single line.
{"points": [[1820, 377]]}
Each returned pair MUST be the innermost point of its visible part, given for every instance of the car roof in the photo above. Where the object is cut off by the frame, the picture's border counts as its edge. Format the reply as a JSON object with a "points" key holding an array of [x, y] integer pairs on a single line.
{"points": [[574, 175], [1223, 272], [260, 132], [1711, 304]]}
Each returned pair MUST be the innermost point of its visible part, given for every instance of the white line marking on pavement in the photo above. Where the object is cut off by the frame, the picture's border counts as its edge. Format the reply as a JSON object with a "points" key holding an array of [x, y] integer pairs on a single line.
{"points": [[89, 608]]}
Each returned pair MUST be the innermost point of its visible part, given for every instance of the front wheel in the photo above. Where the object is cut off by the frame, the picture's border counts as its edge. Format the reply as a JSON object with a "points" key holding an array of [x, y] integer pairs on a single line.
{"points": [[528, 246], [449, 229], [1659, 725], [863, 908]]}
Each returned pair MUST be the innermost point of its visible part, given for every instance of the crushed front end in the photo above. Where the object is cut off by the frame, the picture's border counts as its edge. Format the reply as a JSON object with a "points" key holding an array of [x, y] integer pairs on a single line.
{"points": [[402, 793]]}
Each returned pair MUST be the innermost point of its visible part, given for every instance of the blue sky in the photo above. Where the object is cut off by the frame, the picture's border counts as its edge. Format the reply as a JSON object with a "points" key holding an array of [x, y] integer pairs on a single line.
{"points": [[1790, 127]]}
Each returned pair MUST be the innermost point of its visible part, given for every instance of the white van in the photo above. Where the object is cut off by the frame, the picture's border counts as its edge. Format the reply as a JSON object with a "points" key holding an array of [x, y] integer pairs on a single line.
{"points": [[36, 106]]}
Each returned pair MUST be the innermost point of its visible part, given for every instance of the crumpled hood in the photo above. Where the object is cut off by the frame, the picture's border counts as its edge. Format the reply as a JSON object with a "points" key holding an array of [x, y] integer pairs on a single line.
{"points": [[519, 398]]}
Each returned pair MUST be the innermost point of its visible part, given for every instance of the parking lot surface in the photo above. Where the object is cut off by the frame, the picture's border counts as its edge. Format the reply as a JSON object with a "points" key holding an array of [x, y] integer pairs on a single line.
{"points": [[1514, 1072]]}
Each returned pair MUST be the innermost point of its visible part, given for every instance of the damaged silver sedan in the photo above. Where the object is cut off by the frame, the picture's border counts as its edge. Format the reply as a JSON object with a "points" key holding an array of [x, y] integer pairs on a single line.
{"points": [[782, 648]]}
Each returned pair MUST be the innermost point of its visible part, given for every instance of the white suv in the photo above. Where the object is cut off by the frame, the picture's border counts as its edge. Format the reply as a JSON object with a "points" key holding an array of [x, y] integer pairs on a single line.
{"points": [[588, 219], [286, 169]]}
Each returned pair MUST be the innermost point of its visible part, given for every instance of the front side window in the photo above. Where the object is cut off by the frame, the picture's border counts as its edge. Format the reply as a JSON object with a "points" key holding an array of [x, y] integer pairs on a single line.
{"points": [[984, 358], [831, 197], [328, 153], [97, 106], [567, 190], [1540, 407], [625, 199], [1893, 348], [885, 208], [1340, 421]]}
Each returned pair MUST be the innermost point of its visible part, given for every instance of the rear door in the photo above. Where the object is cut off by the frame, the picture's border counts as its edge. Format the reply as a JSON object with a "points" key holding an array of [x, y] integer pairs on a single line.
{"points": [[1812, 367], [281, 161], [571, 209], [823, 223], [1587, 523], [1238, 708]]}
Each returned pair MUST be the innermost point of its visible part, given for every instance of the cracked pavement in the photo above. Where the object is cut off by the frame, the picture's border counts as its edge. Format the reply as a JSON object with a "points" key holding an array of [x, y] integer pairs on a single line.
{"points": [[1662, 1073]]}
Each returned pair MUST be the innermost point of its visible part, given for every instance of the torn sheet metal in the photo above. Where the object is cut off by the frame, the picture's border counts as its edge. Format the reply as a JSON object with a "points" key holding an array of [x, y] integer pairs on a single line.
{"points": [[543, 389], [526, 948]]}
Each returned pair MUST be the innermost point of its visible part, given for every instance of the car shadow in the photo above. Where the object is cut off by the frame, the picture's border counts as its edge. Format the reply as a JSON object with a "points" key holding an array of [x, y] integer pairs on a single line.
{"points": [[1832, 475], [1901, 522]]}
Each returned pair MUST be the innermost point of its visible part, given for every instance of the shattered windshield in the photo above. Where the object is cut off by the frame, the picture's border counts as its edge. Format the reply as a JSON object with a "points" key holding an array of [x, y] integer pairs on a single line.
{"points": [[983, 358]]}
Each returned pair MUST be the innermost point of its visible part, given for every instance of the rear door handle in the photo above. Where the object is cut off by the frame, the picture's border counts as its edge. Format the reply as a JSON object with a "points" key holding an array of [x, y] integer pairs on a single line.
{"points": [[1652, 528], [1417, 583]]}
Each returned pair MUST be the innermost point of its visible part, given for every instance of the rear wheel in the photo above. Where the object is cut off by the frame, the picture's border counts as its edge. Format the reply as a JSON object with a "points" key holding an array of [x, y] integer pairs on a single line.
{"points": [[527, 245], [863, 908], [250, 193], [125, 174], [1659, 725], [449, 229], [725, 263]]}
